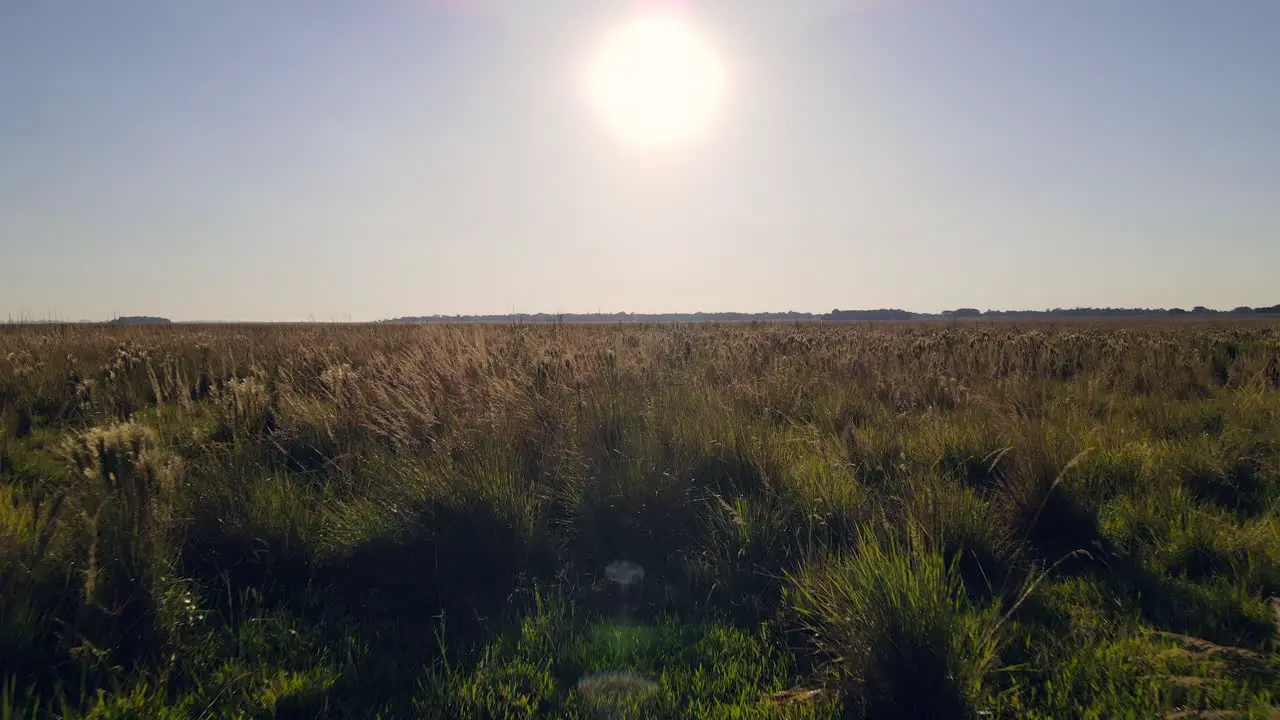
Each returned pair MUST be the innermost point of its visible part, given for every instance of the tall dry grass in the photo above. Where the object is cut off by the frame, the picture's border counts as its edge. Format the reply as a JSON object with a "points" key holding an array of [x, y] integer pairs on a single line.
{"points": [[192, 513]]}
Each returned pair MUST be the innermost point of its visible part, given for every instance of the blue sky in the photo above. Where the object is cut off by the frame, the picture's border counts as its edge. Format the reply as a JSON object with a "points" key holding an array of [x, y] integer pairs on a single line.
{"points": [[351, 160]]}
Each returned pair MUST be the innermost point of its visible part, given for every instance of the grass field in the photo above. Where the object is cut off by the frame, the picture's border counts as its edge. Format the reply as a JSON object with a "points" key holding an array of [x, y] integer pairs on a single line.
{"points": [[772, 521]]}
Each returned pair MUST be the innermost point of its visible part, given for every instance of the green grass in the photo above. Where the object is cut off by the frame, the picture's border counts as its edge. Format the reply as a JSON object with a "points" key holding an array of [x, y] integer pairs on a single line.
{"points": [[920, 520], [556, 663], [903, 636]]}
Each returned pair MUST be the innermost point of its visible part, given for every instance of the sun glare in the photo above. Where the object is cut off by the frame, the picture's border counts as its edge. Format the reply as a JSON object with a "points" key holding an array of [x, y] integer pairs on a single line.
{"points": [[656, 80]]}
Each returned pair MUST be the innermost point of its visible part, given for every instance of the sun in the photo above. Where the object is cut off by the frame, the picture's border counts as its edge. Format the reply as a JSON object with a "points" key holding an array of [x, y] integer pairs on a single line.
{"points": [[656, 80]]}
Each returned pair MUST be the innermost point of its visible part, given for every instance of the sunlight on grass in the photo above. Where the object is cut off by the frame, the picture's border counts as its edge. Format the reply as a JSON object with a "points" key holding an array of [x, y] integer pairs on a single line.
{"points": [[767, 521]]}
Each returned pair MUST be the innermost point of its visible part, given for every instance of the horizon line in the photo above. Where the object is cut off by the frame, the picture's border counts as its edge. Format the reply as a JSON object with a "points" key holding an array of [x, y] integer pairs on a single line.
{"points": [[698, 315]]}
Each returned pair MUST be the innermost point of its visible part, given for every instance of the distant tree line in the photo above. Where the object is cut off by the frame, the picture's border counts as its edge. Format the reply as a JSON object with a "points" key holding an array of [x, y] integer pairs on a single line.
{"points": [[849, 315], [140, 320], [833, 316], [128, 320], [620, 317], [1116, 312], [887, 314]]}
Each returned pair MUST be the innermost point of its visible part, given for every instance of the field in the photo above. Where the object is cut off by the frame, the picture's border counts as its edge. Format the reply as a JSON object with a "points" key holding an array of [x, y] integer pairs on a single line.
{"points": [[737, 521]]}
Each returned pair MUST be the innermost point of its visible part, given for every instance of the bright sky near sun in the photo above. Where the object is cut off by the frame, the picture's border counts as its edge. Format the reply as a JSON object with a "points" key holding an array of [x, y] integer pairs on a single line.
{"points": [[288, 160]]}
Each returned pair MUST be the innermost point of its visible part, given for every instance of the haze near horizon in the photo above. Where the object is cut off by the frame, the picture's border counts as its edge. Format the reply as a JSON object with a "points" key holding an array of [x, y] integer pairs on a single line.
{"points": [[293, 160]]}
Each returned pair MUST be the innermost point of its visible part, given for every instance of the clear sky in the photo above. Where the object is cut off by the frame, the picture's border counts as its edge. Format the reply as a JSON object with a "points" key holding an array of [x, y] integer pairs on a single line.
{"points": [[324, 159]]}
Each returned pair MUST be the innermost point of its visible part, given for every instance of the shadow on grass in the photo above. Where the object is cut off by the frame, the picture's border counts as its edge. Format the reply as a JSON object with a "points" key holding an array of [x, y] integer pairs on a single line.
{"points": [[1242, 489], [1066, 524], [1204, 611], [729, 475], [447, 583], [385, 608], [658, 530], [1209, 611], [1192, 597]]}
